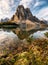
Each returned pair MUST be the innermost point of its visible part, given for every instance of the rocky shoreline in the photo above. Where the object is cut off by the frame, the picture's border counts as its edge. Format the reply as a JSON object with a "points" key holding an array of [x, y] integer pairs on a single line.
{"points": [[30, 52]]}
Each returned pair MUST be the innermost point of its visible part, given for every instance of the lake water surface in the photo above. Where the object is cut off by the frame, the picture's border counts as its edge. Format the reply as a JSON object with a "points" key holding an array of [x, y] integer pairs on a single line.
{"points": [[40, 34], [9, 33]]}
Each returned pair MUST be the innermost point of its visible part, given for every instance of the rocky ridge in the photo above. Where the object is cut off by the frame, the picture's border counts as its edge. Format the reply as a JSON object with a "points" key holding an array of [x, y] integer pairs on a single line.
{"points": [[24, 14]]}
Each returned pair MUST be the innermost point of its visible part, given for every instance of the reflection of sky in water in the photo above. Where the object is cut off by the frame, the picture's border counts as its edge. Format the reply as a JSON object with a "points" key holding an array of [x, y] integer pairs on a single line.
{"points": [[39, 34], [8, 41], [4, 36]]}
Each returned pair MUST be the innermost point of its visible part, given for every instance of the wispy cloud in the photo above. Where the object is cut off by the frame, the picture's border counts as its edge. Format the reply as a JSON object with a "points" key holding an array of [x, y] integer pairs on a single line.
{"points": [[6, 8], [26, 3], [38, 3], [43, 13], [39, 8]]}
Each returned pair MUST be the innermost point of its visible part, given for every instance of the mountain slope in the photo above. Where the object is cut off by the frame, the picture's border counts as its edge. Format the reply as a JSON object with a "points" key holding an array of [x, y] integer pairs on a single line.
{"points": [[23, 14]]}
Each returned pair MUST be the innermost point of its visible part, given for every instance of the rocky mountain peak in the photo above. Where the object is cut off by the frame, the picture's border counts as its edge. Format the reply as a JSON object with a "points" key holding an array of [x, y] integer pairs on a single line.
{"points": [[20, 12], [29, 14], [23, 13]]}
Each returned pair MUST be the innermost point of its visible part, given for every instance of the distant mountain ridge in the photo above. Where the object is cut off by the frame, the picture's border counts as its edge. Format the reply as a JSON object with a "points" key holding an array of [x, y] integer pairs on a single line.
{"points": [[25, 14], [22, 14], [24, 19], [4, 20], [45, 21]]}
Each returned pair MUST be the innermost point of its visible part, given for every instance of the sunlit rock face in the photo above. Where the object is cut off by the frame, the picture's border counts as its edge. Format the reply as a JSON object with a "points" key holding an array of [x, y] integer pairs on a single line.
{"points": [[23, 14], [8, 41]]}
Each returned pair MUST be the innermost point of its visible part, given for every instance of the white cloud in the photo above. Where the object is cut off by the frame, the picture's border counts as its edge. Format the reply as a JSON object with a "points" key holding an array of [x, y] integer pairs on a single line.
{"points": [[38, 3], [33, 5], [43, 13], [26, 3], [5, 8], [46, 18]]}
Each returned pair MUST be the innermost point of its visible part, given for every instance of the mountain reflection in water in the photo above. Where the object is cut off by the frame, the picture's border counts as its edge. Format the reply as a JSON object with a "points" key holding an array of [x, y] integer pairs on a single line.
{"points": [[10, 32]]}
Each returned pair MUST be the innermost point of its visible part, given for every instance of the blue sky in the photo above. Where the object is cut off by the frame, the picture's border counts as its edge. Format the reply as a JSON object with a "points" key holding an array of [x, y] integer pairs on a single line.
{"points": [[39, 8]]}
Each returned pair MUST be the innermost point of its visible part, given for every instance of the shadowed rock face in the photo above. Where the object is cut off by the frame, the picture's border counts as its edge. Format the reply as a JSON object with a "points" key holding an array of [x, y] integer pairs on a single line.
{"points": [[29, 14], [24, 14], [21, 13], [8, 42]]}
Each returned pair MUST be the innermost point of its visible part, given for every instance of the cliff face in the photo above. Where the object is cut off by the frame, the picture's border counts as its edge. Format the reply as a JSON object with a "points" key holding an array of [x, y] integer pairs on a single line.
{"points": [[23, 14]]}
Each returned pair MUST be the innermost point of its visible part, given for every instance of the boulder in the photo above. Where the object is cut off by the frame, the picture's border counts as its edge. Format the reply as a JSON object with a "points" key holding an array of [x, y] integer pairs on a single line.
{"points": [[8, 42]]}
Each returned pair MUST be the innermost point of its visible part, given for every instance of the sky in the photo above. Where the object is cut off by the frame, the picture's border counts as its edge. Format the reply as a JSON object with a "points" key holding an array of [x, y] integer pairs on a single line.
{"points": [[39, 8]]}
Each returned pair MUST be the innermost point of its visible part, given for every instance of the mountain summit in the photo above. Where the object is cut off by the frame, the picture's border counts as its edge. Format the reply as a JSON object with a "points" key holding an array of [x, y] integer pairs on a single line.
{"points": [[24, 17], [23, 14]]}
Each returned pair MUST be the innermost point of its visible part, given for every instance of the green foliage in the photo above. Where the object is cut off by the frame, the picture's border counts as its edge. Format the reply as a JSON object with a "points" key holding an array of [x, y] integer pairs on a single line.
{"points": [[46, 34], [30, 39], [37, 54]]}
